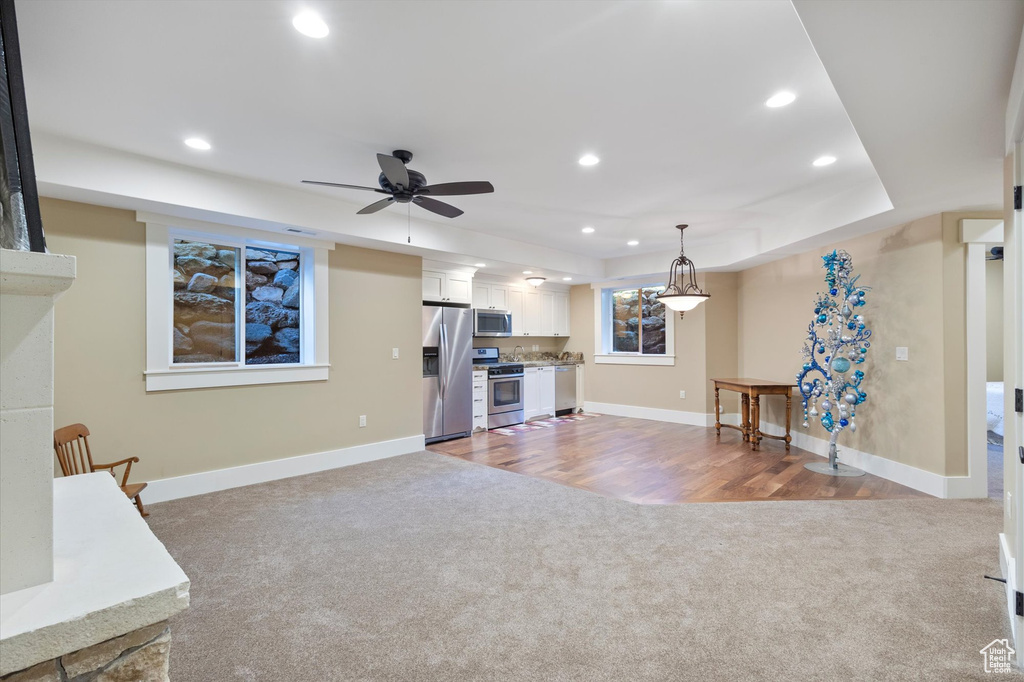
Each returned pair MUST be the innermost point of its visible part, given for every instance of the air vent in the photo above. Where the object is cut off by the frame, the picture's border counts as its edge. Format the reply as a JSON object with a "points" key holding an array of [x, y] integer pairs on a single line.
{"points": [[295, 230]]}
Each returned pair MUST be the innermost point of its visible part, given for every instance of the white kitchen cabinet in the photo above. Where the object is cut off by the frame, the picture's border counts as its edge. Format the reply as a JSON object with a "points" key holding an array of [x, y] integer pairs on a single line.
{"points": [[490, 296], [546, 327], [561, 315], [531, 392], [531, 313], [547, 390], [515, 306], [447, 287], [480, 400]]}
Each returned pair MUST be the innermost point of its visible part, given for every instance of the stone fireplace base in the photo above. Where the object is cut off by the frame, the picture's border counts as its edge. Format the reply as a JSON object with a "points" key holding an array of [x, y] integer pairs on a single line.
{"points": [[139, 656]]}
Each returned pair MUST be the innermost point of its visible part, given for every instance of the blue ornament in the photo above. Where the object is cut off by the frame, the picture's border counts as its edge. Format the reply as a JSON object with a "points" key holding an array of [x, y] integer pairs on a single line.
{"points": [[851, 325], [826, 421], [844, 422], [822, 318], [833, 291], [841, 365]]}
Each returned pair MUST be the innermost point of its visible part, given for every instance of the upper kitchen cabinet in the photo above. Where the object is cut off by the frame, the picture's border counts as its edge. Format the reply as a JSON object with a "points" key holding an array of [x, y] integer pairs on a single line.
{"points": [[561, 314], [490, 296], [445, 286], [544, 313]]}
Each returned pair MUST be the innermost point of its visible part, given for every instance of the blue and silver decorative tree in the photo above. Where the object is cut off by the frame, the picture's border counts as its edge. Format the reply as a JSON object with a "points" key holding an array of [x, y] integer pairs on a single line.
{"points": [[837, 345]]}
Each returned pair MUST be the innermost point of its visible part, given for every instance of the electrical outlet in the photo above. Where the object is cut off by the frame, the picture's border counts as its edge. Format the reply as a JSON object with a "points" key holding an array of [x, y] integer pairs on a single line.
{"points": [[362, 420], [394, 353], [902, 353], [682, 394], [536, 348]]}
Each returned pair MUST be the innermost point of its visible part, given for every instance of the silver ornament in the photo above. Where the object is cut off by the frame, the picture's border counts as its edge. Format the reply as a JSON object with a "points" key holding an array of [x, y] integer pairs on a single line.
{"points": [[826, 405], [853, 426], [850, 398], [806, 425]]}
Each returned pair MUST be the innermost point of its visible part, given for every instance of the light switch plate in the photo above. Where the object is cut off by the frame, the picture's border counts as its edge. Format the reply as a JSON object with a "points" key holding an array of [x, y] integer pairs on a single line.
{"points": [[902, 353], [682, 394], [394, 353], [362, 420]]}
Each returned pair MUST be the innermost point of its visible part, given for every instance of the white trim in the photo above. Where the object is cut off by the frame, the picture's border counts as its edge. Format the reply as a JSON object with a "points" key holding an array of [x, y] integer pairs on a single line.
{"points": [[241, 233], [275, 469], [904, 474], [633, 359], [196, 377], [1015, 105], [975, 291], [985, 231], [1007, 566], [652, 413]]}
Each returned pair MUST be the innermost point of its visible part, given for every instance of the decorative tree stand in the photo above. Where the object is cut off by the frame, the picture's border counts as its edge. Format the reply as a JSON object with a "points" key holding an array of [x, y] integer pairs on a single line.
{"points": [[837, 340]]}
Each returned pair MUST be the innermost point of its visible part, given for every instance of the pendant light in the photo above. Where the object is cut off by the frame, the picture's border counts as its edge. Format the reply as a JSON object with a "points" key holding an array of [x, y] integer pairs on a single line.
{"points": [[682, 293]]}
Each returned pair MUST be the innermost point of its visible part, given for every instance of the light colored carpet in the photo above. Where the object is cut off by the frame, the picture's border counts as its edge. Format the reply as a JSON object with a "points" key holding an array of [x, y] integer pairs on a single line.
{"points": [[424, 567]]}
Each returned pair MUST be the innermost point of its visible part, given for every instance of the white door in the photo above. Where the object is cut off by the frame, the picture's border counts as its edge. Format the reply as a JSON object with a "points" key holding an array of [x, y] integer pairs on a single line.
{"points": [[515, 306], [481, 296], [499, 297], [547, 390], [531, 313], [547, 314], [531, 392], [561, 315], [433, 285], [460, 287], [1013, 377]]}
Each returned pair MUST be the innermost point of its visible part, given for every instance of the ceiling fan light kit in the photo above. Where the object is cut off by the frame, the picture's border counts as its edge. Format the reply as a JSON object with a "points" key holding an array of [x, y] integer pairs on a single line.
{"points": [[682, 293], [405, 185]]}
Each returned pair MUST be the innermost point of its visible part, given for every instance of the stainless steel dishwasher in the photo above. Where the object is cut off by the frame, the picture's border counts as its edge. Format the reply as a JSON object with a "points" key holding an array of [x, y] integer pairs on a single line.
{"points": [[565, 389]]}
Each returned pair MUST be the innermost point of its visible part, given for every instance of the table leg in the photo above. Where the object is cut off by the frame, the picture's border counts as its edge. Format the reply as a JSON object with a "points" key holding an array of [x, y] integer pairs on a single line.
{"points": [[756, 421], [789, 410], [718, 413], [745, 400]]}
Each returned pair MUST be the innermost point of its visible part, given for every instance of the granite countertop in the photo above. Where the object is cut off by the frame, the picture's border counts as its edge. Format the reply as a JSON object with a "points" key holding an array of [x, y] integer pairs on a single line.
{"points": [[528, 363]]}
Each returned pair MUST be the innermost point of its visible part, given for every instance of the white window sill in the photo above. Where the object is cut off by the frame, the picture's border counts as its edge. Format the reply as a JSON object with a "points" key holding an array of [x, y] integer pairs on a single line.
{"points": [[211, 377], [626, 359]]}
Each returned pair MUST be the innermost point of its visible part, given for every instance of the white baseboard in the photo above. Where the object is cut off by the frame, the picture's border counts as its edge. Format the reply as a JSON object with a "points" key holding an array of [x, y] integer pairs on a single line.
{"points": [[261, 472], [926, 481], [653, 413]]}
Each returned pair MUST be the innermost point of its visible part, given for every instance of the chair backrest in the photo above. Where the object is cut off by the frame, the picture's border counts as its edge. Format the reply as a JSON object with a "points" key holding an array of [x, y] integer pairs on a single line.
{"points": [[71, 443]]}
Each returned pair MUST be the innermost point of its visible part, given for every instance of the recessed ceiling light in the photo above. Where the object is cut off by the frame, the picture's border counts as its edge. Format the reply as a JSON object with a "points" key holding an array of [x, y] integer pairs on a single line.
{"points": [[824, 160], [632, 242], [197, 143], [567, 279], [589, 160], [527, 272], [480, 265], [780, 99], [587, 230], [310, 24]]}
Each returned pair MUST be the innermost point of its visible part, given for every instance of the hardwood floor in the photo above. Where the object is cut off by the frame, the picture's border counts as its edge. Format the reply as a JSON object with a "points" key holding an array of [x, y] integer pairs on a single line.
{"points": [[651, 462]]}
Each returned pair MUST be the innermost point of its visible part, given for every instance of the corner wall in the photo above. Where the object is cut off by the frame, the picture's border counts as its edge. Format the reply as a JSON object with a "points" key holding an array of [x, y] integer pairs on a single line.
{"points": [[100, 356]]}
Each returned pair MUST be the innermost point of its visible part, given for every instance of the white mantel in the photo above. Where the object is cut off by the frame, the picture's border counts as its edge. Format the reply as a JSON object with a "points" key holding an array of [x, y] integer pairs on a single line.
{"points": [[111, 576], [29, 284]]}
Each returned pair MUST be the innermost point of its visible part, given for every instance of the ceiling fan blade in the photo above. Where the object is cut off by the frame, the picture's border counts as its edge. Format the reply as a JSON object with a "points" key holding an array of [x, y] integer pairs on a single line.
{"points": [[448, 189], [335, 184], [439, 207], [394, 170], [376, 206]]}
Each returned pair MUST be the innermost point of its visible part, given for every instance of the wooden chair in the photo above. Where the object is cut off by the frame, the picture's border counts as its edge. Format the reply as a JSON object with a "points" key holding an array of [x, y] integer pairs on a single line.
{"points": [[71, 443]]}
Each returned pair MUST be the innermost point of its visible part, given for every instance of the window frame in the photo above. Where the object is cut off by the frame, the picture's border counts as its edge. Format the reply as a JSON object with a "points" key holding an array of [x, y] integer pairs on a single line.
{"points": [[162, 374], [603, 353]]}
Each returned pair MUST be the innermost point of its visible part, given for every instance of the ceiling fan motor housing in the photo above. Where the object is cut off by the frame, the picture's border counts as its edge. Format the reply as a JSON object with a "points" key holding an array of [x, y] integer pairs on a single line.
{"points": [[416, 180]]}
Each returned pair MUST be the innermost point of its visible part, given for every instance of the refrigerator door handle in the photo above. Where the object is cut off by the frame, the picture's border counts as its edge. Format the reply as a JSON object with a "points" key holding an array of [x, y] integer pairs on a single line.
{"points": [[442, 370]]}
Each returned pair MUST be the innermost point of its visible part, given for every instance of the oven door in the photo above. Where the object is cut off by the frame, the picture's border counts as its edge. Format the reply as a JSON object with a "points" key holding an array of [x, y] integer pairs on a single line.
{"points": [[504, 394], [492, 323]]}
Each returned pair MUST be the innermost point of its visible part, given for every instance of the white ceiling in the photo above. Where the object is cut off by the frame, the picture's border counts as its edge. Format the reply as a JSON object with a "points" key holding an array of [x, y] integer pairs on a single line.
{"points": [[670, 95]]}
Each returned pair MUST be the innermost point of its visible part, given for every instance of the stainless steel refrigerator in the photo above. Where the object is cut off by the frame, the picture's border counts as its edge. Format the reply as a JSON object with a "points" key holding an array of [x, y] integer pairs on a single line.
{"points": [[447, 372]]}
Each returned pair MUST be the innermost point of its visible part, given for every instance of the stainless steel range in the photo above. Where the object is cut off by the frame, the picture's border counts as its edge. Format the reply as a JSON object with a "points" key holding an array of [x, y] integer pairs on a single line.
{"points": [[505, 395]]}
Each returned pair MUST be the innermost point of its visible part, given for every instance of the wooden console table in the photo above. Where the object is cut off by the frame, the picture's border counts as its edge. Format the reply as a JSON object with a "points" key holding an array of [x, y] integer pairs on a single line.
{"points": [[751, 391]]}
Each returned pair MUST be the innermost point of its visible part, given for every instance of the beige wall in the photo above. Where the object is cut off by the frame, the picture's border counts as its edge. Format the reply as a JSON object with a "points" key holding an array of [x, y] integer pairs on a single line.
{"points": [[994, 320], [545, 344], [100, 355], [705, 344]]}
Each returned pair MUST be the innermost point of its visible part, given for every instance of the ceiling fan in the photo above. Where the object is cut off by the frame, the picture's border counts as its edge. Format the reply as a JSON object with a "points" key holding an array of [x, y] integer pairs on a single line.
{"points": [[406, 185]]}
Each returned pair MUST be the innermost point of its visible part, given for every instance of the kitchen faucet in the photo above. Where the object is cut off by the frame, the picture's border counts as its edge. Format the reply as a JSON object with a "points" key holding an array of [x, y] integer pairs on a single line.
{"points": [[515, 355]]}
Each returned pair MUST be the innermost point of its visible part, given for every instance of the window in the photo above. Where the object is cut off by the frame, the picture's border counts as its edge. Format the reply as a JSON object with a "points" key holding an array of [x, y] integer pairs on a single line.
{"points": [[631, 325], [228, 306]]}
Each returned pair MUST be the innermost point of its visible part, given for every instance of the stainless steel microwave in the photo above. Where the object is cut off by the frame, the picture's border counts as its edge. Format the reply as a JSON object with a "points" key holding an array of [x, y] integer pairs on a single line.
{"points": [[491, 323]]}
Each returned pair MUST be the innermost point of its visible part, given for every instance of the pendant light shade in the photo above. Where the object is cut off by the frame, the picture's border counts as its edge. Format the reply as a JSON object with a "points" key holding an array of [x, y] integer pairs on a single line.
{"points": [[682, 293]]}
